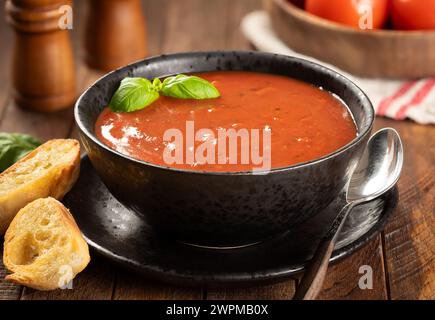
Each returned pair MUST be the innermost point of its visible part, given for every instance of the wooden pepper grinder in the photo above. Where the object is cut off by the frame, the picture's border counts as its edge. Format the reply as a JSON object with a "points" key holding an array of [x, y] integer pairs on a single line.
{"points": [[115, 34], [43, 61]]}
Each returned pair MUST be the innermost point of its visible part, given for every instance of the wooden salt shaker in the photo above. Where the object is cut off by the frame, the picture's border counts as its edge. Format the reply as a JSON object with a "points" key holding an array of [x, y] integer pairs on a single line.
{"points": [[116, 33], [43, 63]]}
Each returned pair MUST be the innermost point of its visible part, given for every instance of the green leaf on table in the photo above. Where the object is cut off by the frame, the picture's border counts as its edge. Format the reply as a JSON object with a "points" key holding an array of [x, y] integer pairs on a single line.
{"points": [[14, 146]]}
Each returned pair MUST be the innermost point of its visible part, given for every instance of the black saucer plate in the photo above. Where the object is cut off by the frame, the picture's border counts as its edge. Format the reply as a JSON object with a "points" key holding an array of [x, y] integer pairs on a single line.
{"points": [[120, 235]]}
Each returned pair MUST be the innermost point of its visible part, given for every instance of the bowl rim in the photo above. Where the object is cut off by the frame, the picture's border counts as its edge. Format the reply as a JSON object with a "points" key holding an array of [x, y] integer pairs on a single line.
{"points": [[301, 14], [365, 103]]}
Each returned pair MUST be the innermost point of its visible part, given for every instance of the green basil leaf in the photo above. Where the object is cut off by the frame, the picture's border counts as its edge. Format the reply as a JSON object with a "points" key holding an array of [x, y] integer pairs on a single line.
{"points": [[133, 94], [189, 87], [13, 147], [157, 84]]}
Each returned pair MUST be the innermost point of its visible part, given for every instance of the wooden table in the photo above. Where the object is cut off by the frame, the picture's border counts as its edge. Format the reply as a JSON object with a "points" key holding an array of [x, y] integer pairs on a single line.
{"points": [[402, 257]]}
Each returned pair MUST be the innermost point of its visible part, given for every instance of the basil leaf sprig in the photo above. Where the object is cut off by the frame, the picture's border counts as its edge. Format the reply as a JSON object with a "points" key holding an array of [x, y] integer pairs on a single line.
{"points": [[189, 87], [138, 93], [133, 94], [14, 146]]}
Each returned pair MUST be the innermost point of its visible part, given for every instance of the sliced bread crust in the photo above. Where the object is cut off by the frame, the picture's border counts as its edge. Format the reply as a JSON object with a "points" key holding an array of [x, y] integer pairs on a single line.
{"points": [[49, 171], [44, 248]]}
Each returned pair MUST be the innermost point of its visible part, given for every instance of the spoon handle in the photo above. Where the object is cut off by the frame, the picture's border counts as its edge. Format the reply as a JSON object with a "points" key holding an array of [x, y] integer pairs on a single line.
{"points": [[314, 276]]}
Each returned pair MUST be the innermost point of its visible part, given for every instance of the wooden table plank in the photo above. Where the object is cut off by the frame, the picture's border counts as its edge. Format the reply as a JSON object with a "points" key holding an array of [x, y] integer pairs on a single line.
{"points": [[234, 39], [409, 241], [6, 39], [155, 24], [132, 287], [194, 25], [8, 290], [280, 291], [342, 280], [94, 283]]}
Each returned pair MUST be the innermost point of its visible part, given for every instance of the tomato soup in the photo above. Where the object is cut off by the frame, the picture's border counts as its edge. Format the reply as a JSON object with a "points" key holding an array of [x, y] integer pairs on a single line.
{"points": [[297, 121]]}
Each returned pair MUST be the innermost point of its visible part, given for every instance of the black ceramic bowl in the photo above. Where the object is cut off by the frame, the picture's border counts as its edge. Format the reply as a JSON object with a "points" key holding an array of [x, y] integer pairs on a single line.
{"points": [[224, 209]]}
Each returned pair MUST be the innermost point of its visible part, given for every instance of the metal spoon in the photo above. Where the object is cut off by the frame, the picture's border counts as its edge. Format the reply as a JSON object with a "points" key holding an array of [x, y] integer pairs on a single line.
{"points": [[376, 173]]}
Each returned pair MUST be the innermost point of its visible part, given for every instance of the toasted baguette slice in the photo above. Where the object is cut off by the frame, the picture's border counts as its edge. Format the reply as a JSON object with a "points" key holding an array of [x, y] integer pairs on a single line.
{"points": [[44, 248], [49, 171]]}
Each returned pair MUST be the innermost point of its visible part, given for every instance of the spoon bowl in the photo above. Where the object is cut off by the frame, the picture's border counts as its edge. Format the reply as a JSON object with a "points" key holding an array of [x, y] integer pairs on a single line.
{"points": [[379, 167]]}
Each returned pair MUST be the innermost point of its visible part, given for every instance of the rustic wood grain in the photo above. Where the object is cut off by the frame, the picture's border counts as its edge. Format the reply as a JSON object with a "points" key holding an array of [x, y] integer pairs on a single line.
{"points": [[236, 10], [342, 278], [409, 238], [6, 38], [194, 25], [280, 291], [156, 25], [8, 291], [94, 283], [132, 287]]}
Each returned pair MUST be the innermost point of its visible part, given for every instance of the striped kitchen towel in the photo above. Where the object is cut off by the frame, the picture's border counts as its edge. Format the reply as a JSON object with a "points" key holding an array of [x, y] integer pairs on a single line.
{"points": [[391, 98]]}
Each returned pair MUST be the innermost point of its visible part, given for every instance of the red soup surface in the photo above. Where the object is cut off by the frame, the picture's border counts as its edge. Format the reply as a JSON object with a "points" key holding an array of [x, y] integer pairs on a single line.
{"points": [[295, 122]]}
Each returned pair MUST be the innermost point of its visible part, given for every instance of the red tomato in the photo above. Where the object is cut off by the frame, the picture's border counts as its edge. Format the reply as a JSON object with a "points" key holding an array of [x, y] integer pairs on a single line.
{"points": [[413, 14], [351, 12]]}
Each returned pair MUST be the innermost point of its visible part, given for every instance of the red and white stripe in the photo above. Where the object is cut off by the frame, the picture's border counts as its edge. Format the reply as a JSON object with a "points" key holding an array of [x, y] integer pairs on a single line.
{"points": [[407, 96]]}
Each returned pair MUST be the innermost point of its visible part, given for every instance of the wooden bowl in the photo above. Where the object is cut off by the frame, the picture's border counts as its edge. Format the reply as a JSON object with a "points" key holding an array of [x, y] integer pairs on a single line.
{"points": [[376, 53]]}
